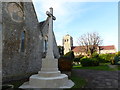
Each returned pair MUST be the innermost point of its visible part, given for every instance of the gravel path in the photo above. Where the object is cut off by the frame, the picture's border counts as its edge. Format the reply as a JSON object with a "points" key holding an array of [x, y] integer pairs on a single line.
{"points": [[99, 79]]}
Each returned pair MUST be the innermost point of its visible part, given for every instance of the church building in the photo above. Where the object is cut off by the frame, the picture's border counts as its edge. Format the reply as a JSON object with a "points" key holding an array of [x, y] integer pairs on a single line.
{"points": [[79, 50], [23, 40], [67, 43]]}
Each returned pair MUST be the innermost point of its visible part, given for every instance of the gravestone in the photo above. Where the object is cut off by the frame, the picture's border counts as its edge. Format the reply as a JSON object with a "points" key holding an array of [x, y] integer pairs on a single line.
{"points": [[49, 76]]}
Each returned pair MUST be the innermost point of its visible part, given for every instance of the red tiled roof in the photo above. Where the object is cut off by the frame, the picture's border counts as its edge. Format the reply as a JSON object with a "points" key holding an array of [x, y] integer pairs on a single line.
{"points": [[82, 48], [78, 49], [110, 47]]}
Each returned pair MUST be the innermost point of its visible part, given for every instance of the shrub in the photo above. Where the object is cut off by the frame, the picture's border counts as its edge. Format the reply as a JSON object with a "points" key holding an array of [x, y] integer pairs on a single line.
{"points": [[69, 55], [76, 59], [118, 53], [104, 58], [116, 60], [113, 62], [95, 55], [85, 61], [95, 61], [80, 56]]}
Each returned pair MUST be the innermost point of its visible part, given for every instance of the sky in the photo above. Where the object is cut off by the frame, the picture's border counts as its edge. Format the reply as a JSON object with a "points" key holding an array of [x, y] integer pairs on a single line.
{"points": [[77, 18]]}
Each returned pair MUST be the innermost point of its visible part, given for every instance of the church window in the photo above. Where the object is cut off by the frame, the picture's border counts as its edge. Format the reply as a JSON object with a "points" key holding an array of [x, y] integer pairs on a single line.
{"points": [[15, 11], [45, 46], [23, 41]]}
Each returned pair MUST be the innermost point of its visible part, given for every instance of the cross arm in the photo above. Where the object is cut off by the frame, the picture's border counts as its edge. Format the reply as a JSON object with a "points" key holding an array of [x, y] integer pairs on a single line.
{"points": [[51, 15]]}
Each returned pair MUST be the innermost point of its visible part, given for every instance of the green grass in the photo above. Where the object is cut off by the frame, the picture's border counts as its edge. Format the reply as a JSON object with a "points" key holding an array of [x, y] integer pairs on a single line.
{"points": [[102, 66], [118, 67], [105, 63], [78, 81], [17, 84]]}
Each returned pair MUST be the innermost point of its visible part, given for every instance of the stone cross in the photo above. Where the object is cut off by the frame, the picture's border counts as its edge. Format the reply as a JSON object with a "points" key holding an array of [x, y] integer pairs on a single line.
{"points": [[50, 34], [49, 76]]}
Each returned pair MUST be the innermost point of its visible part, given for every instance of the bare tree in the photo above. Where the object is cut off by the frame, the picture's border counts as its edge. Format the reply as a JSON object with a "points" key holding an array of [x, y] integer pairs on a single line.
{"points": [[90, 42]]}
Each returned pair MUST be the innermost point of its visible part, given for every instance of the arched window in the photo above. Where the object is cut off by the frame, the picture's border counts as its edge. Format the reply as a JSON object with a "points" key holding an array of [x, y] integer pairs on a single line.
{"points": [[23, 41], [45, 44]]}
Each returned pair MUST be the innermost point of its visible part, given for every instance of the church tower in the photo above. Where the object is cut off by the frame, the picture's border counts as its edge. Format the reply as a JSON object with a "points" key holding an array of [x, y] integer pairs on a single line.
{"points": [[67, 43]]}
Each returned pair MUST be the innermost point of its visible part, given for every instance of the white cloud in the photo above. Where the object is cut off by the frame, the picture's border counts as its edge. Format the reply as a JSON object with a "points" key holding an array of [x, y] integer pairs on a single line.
{"points": [[63, 11], [60, 11], [56, 4]]}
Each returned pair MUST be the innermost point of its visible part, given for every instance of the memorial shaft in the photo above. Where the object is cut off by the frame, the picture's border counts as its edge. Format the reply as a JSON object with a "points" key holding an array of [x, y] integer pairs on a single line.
{"points": [[50, 36]]}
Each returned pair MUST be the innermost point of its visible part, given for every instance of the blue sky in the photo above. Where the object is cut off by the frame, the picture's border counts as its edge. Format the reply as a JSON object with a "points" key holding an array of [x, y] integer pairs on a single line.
{"points": [[77, 18]]}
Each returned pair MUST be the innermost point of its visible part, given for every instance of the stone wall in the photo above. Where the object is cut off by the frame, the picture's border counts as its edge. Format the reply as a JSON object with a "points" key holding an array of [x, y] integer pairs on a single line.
{"points": [[17, 64], [0, 45], [20, 19]]}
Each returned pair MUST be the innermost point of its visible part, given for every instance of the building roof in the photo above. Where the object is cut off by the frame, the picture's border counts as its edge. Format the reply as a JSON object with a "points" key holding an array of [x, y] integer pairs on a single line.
{"points": [[78, 49], [110, 47], [82, 48]]}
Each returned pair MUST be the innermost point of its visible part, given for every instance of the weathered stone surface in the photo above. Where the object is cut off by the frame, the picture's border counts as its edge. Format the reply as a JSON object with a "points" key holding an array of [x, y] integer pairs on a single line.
{"points": [[48, 82], [15, 63], [44, 29], [49, 76]]}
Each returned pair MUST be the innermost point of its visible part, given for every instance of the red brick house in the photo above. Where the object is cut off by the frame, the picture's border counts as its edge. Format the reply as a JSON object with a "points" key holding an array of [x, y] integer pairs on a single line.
{"points": [[80, 50]]}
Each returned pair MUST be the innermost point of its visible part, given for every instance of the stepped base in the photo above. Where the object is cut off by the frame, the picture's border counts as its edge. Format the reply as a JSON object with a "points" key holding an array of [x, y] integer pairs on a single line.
{"points": [[49, 74], [48, 77], [36, 81]]}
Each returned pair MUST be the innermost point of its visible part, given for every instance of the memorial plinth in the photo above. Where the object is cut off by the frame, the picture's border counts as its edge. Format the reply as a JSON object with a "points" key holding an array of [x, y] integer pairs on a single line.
{"points": [[49, 76]]}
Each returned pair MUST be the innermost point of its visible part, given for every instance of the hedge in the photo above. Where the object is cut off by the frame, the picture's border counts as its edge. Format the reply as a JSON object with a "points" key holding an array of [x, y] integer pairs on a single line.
{"points": [[85, 61]]}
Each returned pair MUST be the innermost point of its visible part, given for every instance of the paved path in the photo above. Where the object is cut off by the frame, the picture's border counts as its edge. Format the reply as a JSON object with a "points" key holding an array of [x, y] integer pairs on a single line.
{"points": [[99, 79]]}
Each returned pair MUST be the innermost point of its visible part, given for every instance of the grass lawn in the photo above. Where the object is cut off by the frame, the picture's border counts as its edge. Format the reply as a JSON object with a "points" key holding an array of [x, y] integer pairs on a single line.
{"points": [[78, 81], [118, 67], [16, 84], [102, 66]]}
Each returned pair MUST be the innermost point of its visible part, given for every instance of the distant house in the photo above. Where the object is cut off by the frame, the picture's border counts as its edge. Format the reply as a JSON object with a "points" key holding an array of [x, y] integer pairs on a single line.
{"points": [[80, 50], [107, 49]]}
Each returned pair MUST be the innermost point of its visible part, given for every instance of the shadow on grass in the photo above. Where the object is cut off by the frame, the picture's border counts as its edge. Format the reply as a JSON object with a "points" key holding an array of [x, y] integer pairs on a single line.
{"points": [[79, 82], [13, 85], [102, 66]]}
